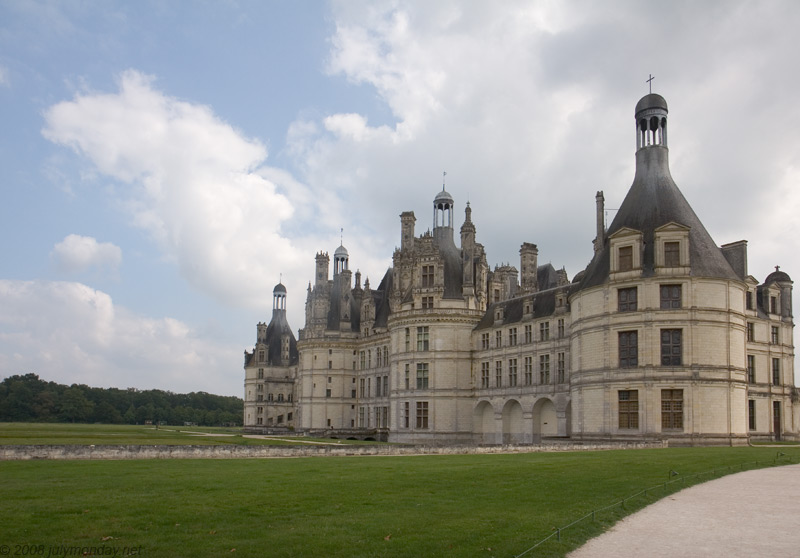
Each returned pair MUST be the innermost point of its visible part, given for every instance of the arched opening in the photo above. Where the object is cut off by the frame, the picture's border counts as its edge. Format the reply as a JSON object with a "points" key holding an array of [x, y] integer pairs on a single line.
{"points": [[545, 422], [483, 424], [512, 423]]}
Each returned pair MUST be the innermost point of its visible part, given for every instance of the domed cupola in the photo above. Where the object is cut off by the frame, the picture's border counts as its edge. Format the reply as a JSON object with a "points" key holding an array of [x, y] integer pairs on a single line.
{"points": [[443, 210], [340, 260], [651, 121], [279, 297]]}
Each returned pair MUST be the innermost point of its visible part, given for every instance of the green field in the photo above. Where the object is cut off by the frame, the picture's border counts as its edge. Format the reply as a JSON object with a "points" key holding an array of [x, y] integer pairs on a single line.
{"points": [[462, 506], [40, 433]]}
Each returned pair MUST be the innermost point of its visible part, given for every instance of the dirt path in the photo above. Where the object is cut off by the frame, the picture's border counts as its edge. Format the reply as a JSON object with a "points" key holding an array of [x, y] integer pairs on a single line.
{"points": [[754, 513]]}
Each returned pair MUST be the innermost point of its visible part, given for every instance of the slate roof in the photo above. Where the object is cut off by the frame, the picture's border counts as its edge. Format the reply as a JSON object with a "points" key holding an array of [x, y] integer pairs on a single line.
{"points": [[653, 201]]}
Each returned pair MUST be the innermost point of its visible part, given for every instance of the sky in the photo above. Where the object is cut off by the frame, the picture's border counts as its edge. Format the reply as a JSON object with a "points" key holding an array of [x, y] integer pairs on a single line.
{"points": [[163, 165]]}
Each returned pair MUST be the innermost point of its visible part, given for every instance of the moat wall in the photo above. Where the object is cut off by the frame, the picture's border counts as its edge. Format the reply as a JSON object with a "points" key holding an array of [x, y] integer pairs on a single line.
{"points": [[16, 453]]}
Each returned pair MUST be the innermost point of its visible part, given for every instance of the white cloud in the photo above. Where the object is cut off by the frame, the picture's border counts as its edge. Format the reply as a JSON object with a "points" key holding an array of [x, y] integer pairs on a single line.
{"points": [[78, 253], [190, 180], [529, 109], [70, 333], [5, 81]]}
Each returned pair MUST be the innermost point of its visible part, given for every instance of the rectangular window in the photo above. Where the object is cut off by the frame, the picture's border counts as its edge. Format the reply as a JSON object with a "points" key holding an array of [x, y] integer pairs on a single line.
{"points": [[422, 338], [408, 339], [544, 369], [427, 276], [363, 357], [422, 375], [561, 367], [498, 374], [561, 328], [422, 414], [671, 347], [544, 331], [512, 336], [427, 302], [671, 409], [484, 340], [378, 386], [512, 372], [751, 369], [353, 394], [751, 331], [327, 393], [485, 375], [748, 300], [774, 335], [361, 417], [406, 414], [260, 373], [751, 413], [625, 258], [529, 333], [670, 296], [773, 305], [628, 409], [497, 295], [362, 386], [776, 371], [385, 386], [408, 373], [628, 349], [528, 370], [627, 299], [498, 339], [672, 254]]}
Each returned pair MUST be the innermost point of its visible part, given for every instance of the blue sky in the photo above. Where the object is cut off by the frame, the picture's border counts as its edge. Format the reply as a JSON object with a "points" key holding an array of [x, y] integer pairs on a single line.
{"points": [[163, 163]]}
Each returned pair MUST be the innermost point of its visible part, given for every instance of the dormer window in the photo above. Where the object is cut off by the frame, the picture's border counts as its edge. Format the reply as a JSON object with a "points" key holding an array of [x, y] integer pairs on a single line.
{"points": [[672, 254], [672, 249], [625, 261], [626, 252]]}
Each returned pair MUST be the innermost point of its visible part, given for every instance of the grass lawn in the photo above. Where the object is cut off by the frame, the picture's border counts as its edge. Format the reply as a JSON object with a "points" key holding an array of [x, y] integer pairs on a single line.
{"points": [[40, 433], [461, 506]]}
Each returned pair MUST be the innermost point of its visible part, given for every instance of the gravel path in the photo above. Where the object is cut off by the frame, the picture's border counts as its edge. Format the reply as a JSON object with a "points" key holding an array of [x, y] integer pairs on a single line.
{"points": [[754, 513]]}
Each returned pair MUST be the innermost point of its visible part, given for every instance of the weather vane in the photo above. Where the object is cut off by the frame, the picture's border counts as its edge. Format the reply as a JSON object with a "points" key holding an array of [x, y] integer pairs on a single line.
{"points": [[650, 81]]}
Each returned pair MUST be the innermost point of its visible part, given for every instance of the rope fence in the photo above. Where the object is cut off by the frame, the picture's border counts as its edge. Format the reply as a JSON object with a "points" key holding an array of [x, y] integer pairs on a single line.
{"points": [[780, 458]]}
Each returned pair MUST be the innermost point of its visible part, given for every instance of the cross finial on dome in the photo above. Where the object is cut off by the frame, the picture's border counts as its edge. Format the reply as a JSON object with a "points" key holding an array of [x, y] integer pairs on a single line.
{"points": [[650, 81], [777, 268], [444, 174]]}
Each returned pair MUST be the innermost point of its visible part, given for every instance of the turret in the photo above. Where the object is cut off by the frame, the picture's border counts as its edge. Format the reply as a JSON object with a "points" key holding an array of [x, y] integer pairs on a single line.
{"points": [[323, 262], [407, 221]]}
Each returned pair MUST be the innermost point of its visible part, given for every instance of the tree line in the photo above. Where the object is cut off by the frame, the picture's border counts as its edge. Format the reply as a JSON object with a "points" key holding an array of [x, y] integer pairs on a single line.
{"points": [[30, 399]]}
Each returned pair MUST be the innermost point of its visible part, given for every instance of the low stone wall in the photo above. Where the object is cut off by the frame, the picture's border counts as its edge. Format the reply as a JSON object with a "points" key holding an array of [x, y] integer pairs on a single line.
{"points": [[15, 453]]}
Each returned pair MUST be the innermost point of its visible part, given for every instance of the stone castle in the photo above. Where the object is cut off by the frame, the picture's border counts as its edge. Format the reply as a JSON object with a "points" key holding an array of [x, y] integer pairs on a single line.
{"points": [[664, 335]]}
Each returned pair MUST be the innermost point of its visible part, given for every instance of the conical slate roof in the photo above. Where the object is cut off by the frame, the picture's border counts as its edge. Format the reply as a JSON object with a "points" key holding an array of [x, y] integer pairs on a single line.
{"points": [[654, 200]]}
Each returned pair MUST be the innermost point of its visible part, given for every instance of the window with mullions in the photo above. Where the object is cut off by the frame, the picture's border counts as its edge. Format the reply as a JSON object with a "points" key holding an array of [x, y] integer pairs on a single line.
{"points": [[427, 276], [422, 338], [670, 297], [544, 369], [774, 335], [671, 347], [561, 367], [484, 340], [498, 373], [628, 409], [512, 336], [628, 349], [485, 375], [422, 375], [528, 370], [544, 331], [528, 333], [512, 372], [672, 409], [498, 338], [751, 369], [627, 299], [422, 414], [751, 413]]}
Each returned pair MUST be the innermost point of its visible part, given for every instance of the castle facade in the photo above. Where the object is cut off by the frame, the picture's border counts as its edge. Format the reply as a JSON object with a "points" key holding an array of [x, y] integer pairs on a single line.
{"points": [[664, 335]]}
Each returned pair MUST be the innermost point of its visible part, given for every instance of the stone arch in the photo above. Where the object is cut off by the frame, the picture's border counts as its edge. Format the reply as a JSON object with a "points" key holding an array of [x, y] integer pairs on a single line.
{"points": [[513, 431], [483, 423], [545, 421]]}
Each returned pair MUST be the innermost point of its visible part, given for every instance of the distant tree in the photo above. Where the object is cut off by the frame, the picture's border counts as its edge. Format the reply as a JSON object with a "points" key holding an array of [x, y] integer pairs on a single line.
{"points": [[74, 406]]}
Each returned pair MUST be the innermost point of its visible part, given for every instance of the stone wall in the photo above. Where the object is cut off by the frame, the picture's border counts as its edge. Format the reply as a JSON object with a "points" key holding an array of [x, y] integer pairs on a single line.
{"points": [[15, 453]]}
